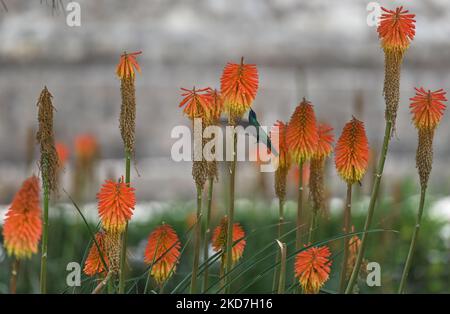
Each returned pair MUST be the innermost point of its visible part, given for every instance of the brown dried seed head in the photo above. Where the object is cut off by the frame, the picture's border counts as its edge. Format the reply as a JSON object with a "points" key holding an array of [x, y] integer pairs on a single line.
{"points": [[200, 172], [45, 137], [128, 113], [280, 182], [392, 63], [113, 245], [316, 183], [424, 156]]}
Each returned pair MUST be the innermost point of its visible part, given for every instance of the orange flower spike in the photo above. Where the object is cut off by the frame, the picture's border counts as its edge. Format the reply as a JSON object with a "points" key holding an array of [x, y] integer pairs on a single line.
{"points": [[396, 29], [93, 264], [86, 146], [312, 268], [325, 142], [216, 104], [302, 136], [352, 152], [23, 225], [163, 249], [197, 103], [116, 201], [239, 84], [127, 65], [63, 153], [280, 131], [427, 108], [219, 240]]}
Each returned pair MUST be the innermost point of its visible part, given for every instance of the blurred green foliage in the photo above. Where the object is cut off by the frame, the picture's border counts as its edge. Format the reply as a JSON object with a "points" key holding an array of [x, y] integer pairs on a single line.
{"points": [[69, 241]]}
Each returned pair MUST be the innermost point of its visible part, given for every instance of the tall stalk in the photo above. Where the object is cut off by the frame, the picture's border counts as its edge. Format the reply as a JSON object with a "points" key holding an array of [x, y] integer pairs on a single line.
{"points": [[312, 225], [229, 255], [277, 270], [14, 275], [123, 248], [372, 203], [347, 223], [207, 234], [197, 241], [282, 280], [412, 246], [298, 234], [43, 276]]}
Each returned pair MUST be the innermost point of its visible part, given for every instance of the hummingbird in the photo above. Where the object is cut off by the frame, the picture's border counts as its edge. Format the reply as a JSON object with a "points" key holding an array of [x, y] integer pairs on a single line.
{"points": [[261, 135]]}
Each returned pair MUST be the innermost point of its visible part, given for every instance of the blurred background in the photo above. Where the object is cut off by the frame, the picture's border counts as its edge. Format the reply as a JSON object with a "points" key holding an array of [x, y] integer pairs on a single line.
{"points": [[323, 50]]}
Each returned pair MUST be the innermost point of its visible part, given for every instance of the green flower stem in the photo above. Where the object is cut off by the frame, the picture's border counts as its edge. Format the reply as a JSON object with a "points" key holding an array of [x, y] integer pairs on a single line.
{"points": [[282, 281], [312, 225], [123, 249], [280, 233], [298, 233], [198, 229], [228, 252], [43, 275], [347, 223], [412, 246], [14, 275], [373, 200], [207, 234]]}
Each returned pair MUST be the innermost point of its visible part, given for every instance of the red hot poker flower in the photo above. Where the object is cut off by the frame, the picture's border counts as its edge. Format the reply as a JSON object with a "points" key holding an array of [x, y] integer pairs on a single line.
{"points": [[163, 251], [116, 202], [396, 29], [279, 130], [23, 225], [86, 146], [219, 240], [197, 103], [301, 133], [216, 105], [93, 264], [127, 65], [239, 84], [427, 108], [63, 153], [325, 142], [312, 268], [352, 152]]}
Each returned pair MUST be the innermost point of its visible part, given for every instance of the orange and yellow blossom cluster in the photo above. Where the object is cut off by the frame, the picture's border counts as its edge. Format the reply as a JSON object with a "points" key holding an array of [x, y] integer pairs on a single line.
{"points": [[352, 152], [162, 253], [219, 240], [23, 225], [116, 201], [312, 268]]}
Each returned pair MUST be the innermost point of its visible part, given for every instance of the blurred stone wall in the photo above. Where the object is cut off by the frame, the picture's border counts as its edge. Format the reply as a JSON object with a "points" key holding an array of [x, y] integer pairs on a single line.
{"points": [[323, 50]]}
